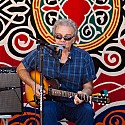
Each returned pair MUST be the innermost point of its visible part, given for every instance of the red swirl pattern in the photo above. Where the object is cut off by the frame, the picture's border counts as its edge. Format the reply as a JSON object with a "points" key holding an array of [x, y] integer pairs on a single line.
{"points": [[23, 39]]}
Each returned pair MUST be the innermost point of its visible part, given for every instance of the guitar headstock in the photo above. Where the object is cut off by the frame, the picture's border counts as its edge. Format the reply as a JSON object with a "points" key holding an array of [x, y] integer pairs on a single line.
{"points": [[101, 98]]}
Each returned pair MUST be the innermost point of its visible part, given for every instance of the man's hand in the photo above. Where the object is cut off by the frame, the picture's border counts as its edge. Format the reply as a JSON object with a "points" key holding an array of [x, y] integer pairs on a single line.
{"points": [[77, 100], [37, 91]]}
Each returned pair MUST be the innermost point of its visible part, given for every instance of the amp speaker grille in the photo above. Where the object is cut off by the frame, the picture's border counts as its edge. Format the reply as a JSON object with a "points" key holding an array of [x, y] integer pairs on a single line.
{"points": [[11, 92]]}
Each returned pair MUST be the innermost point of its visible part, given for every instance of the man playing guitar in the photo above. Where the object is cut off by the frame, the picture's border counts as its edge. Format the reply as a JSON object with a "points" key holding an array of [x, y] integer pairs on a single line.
{"points": [[72, 67]]}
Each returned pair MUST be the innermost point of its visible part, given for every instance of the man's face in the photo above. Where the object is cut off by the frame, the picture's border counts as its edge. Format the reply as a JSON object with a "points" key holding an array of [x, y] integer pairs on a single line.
{"points": [[64, 36]]}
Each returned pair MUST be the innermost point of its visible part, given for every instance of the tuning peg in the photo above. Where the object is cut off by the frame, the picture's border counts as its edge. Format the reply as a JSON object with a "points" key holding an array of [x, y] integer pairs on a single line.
{"points": [[105, 92]]}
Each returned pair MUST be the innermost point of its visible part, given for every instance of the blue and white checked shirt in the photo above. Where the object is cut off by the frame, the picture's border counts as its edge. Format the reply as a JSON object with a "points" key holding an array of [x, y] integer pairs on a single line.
{"points": [[78, 69]]}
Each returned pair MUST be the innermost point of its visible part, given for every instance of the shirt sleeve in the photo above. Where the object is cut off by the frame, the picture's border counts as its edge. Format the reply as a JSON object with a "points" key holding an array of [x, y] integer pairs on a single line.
{"points": [[30, 61], [89, 69]]}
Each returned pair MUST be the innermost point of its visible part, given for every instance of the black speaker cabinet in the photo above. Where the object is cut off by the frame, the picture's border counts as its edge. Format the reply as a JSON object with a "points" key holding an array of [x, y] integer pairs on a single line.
{"points": [[11, 92]]}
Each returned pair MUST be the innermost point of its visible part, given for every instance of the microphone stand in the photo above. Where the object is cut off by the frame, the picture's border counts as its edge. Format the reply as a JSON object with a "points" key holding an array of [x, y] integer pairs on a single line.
{"points": [[41, 82], [40, 47]]}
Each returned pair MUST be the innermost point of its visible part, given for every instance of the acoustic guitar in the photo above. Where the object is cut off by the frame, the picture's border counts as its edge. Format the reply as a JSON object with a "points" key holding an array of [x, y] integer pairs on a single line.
{"points": [[52, 88]]}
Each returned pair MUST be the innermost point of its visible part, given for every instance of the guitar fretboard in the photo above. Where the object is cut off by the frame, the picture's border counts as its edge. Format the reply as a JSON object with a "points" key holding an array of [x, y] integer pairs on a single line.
{"points": [[55, 92]]}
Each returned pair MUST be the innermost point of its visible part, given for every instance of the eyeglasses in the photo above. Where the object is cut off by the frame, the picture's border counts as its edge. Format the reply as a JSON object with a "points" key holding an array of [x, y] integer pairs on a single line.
{"points": [[67, 37]]}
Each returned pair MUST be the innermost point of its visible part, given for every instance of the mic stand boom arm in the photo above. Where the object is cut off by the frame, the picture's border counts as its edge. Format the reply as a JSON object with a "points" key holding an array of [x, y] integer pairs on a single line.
{"points": [[42, 43]]}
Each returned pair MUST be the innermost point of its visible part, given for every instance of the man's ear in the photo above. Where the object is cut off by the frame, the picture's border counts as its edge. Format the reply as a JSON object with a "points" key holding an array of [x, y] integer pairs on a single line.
{"points": [[76, 39]]}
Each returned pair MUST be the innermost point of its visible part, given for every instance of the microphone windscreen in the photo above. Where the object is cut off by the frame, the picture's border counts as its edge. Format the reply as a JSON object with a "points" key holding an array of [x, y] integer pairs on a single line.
{"points": [[58, 48]]}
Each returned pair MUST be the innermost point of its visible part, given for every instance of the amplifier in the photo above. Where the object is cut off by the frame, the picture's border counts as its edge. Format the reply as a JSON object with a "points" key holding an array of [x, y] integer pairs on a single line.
{"points": [[11, 91]]}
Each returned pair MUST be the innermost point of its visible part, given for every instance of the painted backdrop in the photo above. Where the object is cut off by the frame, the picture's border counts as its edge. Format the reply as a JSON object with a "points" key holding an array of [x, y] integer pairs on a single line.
{"points": [[101, 26]]}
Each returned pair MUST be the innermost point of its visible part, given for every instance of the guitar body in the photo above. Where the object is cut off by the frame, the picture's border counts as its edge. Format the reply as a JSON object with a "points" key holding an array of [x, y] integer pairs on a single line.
{"points": [[51, 87], [35, 75]]}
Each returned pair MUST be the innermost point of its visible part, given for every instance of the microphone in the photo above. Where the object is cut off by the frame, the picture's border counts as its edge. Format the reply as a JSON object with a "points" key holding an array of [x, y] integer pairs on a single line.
{"points": [[58, 48]]}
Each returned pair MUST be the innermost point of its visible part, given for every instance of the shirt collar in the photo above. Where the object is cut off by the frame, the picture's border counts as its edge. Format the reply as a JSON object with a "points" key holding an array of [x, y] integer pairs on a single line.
{"points": [[71, 53]]}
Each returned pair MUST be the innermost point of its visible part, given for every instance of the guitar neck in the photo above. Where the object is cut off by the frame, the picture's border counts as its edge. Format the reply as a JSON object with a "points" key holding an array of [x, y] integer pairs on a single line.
{"points": [[61, 93]]}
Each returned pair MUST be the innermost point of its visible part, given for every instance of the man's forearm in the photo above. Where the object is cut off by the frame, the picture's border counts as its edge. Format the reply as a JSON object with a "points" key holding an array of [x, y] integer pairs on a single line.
{"points": [[25, 76]]}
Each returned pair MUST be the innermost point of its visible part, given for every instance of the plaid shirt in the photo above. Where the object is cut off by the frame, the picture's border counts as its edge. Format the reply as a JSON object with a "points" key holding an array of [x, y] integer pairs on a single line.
{"points": [[78, 69]]}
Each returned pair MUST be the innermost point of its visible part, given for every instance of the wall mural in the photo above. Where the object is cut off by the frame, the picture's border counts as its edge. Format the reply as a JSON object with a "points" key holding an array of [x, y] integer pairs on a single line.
{"points": [[101, 32]]}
